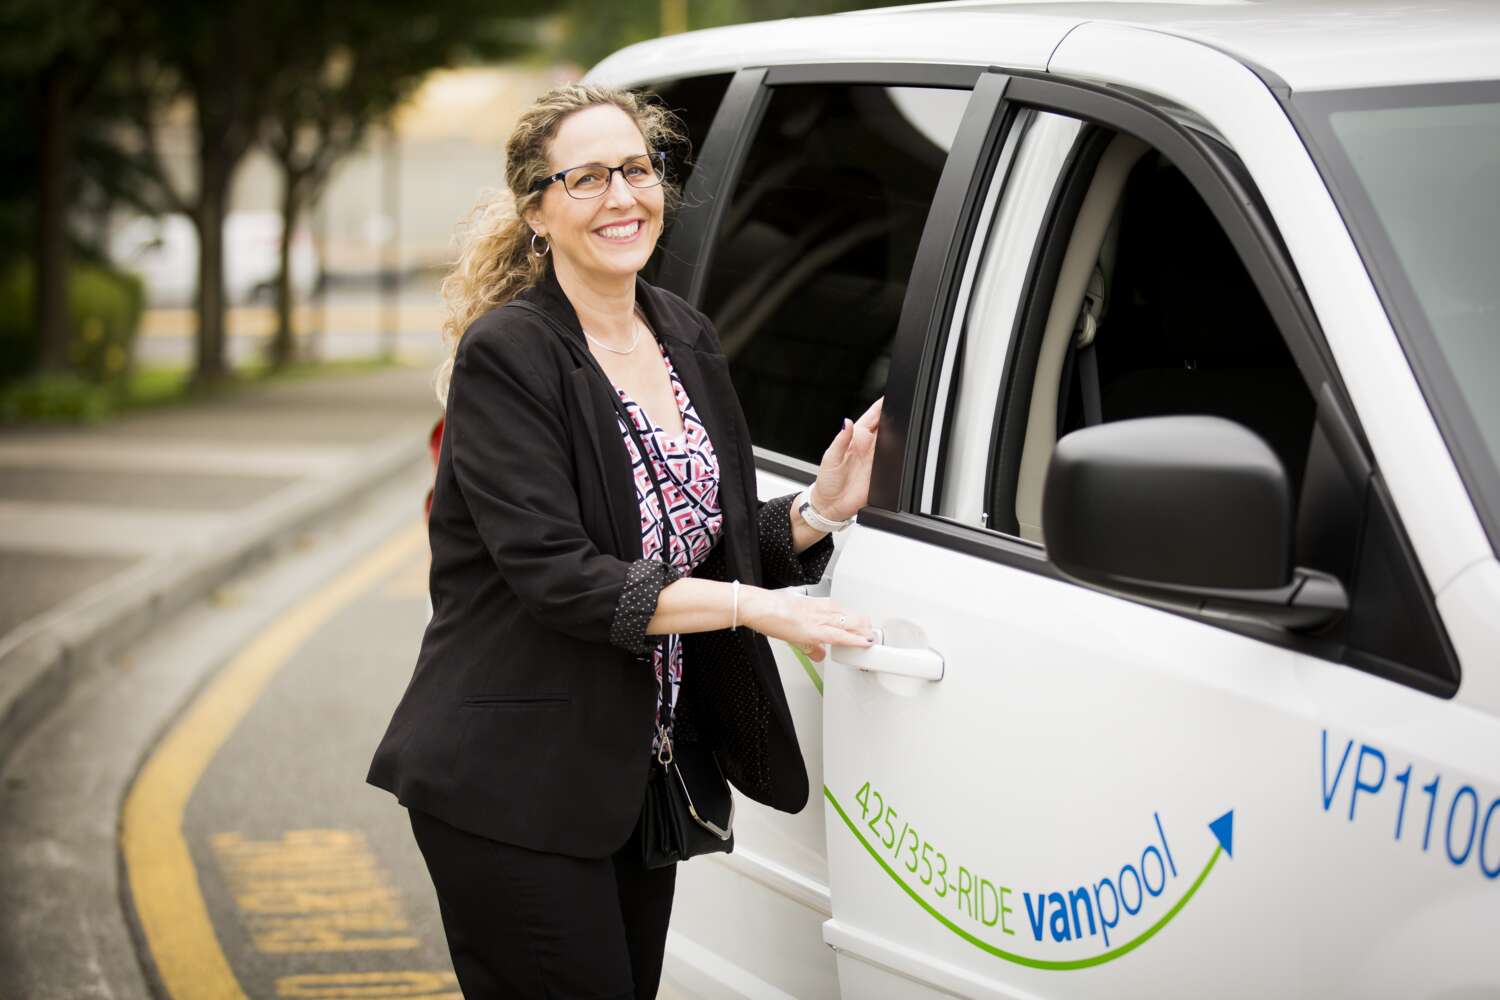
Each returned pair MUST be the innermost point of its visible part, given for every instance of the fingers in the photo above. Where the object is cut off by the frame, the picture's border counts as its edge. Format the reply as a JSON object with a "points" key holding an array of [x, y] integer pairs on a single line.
{"points": [[848, 621], [839, 446], [870, 419], [832, 635]]}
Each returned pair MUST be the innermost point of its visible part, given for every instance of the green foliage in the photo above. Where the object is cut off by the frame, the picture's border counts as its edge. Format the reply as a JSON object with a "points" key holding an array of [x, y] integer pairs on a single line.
{"points": [[104, 311], [54, 398]]}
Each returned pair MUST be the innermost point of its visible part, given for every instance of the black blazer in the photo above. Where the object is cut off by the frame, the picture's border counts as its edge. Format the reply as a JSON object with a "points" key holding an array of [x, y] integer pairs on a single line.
{"points": [[530, 713]]}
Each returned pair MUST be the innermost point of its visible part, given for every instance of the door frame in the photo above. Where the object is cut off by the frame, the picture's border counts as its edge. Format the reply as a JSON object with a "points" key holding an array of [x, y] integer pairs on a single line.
{"points": [[1217, 175]]}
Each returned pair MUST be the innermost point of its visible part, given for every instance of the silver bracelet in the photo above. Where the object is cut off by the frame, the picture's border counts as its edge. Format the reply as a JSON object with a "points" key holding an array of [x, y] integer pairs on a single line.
{"points": [[734, 614], [817, 521]]}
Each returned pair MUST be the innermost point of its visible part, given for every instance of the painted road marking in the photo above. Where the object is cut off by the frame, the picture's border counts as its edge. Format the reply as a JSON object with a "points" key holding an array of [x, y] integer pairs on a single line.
{"points": [[369, 986], [159, 869], [313, 891]]}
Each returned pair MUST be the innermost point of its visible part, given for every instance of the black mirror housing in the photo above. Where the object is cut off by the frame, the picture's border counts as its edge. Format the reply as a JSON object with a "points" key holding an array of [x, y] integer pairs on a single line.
{"points": [[1182, 510]]}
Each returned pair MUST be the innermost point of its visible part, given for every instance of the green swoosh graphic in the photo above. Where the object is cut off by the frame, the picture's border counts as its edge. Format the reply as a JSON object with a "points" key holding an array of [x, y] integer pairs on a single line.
{"points": [[1009, 956], [812, 672]]}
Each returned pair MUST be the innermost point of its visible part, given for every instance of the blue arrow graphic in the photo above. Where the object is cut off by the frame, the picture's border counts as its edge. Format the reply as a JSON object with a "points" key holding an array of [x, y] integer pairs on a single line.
{"points": [[1223, 830]]}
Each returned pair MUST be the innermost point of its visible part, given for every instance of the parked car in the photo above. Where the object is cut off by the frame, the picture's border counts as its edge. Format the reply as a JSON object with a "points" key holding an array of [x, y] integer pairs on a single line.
{"points": [[164, 252], [1183, 529]]}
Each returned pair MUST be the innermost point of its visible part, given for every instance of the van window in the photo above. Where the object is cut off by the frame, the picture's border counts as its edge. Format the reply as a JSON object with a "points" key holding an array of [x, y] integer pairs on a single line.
{"points": [[694, 100], [1135, 303], [808, 269]]}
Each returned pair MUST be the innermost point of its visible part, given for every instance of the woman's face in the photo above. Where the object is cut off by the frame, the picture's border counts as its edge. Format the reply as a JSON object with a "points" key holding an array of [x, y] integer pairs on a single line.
{"points": [[614, 233]]}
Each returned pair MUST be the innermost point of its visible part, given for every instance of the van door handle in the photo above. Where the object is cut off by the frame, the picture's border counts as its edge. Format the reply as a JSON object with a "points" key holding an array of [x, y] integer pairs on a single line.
{"points": [[925, 664]]}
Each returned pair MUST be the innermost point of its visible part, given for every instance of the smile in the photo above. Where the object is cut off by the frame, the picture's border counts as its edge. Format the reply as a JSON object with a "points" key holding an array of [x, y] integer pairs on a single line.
{"points": [[621, 233]]}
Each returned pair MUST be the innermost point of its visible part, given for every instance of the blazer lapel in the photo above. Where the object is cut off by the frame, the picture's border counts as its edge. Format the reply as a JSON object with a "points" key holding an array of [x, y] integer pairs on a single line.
{"points": [[610, 458], [590, 397]]}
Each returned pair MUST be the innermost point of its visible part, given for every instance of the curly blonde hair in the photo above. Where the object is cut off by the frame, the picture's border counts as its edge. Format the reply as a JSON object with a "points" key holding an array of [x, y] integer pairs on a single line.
{"points": [[495, 262]]}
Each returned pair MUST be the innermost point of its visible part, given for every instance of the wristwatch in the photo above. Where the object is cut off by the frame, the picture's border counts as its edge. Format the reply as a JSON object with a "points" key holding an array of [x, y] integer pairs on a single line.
{"points": [[817, 521]]}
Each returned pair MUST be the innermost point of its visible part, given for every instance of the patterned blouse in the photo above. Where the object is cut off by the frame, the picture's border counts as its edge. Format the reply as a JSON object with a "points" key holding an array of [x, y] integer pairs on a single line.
{"points": [[687, 471]]}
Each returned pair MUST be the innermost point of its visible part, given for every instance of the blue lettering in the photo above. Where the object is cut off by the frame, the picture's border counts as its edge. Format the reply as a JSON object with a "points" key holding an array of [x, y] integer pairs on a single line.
{"points": [[1164, 846], [1146, 874], [1454, 857], [1105, 922], [1484, 838], [1036, 915], [1060, 929], [1328, 793], [1140, 897], [1365, 750], [1081, 895]]}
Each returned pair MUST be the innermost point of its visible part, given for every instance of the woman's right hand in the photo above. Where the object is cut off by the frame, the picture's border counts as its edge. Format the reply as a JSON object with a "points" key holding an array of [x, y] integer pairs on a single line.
{"points": [[808, 623]]}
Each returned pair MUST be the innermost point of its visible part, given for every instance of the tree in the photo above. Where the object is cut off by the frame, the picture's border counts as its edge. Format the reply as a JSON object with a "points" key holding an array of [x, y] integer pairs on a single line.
{"points": [[343, 74], [223, 59], [55, 59]]}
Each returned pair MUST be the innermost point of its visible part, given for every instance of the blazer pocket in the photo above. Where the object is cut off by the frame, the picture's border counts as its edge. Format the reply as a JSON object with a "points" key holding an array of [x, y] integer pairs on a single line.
{"points": [[543, 700]]}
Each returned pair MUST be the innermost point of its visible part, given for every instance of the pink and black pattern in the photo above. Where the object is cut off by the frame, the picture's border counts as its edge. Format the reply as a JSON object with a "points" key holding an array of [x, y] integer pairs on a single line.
{"points": [[687, 469]]}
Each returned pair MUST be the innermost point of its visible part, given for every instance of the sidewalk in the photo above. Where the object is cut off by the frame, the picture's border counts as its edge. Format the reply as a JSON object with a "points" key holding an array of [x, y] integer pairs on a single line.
{"points": [[104, 531]]}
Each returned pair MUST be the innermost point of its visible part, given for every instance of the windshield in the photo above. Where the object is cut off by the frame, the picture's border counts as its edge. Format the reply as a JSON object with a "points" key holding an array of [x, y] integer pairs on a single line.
{"points": [[1417, 174]]}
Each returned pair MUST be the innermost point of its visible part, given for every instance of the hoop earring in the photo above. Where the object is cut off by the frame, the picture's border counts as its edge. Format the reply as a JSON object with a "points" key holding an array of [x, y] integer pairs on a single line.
{"points": [[540, 253]]}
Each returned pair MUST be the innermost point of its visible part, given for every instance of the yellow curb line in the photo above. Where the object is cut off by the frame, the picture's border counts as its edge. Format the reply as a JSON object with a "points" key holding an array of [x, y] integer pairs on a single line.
{"points": [[163, 882]]}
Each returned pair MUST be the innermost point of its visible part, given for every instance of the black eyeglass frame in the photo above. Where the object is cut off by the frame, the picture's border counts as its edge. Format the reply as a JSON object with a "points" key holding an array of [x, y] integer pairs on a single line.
{"points": [[656, 156]]}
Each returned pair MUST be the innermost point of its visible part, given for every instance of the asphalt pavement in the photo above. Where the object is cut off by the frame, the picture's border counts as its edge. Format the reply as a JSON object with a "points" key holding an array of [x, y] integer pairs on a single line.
{"points": [[192, 822], [105, 531], [234, 593]]}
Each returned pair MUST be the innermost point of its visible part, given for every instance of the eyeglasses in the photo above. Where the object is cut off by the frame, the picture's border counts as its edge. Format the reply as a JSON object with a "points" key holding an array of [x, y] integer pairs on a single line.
{"points": [[592, 179]]}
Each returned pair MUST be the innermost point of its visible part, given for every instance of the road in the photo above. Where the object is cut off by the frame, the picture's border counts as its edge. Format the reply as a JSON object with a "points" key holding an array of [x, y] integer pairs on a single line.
{"points": [[195, 813]]}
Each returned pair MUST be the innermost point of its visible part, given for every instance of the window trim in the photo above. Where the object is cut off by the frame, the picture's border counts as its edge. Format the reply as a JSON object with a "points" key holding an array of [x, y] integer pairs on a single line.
{"points": [[956, 206], [1235, 204], [949, 76], [687, 264], [684, 267], [931, 486]]}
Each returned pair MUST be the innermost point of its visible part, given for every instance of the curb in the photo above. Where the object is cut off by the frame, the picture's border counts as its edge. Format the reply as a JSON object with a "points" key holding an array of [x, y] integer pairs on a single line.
{"points": [[42, 658]]}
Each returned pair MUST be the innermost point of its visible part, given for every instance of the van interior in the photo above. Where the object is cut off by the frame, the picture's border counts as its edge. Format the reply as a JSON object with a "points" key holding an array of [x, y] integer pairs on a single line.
{"points": [[1154, 314]]}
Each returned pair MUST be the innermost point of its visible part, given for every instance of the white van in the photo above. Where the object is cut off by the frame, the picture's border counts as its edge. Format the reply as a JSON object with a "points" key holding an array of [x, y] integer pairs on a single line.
{"points": [[1183, 528]]}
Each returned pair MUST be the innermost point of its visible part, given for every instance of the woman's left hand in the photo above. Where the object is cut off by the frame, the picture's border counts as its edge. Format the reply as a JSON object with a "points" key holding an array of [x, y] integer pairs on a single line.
{"points": [[843, 483]]}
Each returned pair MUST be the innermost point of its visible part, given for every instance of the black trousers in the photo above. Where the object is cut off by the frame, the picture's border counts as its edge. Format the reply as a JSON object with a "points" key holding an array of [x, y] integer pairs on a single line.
{"points": [[525, 924]]}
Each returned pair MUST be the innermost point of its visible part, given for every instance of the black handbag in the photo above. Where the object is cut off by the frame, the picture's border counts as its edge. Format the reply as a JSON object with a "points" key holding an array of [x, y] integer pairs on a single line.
{"points": [[689, 809]]}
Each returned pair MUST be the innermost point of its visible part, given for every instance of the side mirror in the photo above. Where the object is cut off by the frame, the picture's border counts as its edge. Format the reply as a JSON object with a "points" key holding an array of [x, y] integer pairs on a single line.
{"points": [[1189, 512]]}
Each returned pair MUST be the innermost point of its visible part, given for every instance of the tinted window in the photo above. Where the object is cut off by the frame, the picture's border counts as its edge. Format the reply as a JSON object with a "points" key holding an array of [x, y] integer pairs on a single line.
{"points": [[810, 264], [1418, 169]]}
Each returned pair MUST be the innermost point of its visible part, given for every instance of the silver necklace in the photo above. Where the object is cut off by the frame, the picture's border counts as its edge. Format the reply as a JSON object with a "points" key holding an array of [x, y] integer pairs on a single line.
{"points": [[615, 350]]}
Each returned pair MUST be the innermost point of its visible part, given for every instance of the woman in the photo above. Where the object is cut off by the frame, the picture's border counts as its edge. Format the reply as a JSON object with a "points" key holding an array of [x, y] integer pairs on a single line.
{"points": [[563, 600]]}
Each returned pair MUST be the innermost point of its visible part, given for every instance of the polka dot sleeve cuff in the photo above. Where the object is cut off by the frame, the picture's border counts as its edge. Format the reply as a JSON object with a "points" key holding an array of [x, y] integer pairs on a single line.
{"points": [[643, 583], [782, 566]]}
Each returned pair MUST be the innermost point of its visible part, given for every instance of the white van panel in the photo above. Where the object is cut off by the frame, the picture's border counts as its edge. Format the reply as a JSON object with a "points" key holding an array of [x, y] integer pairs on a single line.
{"points": [[1076, 735], [959, 38], [1435, 508]]}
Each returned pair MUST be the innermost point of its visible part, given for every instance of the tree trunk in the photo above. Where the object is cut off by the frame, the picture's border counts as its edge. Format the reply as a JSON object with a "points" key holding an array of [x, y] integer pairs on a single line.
{"points": [[284, 345], [51, 276], [213, 197]]}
